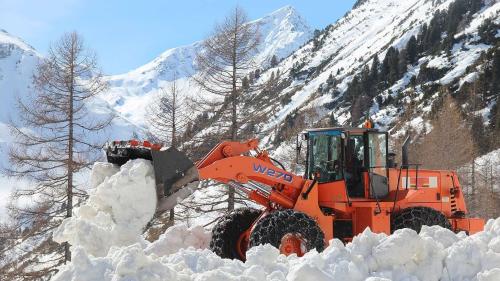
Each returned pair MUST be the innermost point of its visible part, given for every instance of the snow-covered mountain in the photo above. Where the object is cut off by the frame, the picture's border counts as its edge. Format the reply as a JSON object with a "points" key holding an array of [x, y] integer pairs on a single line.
{"points": [[347, 45], [282, 32], [315, 79], [17, 62]]}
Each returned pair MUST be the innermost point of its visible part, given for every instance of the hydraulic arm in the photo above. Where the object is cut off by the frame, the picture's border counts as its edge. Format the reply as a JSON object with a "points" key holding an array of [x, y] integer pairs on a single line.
{"points": [[238, 164]]}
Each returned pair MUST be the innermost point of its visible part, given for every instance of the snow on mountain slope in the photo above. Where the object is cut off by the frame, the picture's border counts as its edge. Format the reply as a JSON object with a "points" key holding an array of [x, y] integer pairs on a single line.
{"points": [[350, 43], [462, 57], [282, 32], [344, 48], [18, 60], [17, 63]]}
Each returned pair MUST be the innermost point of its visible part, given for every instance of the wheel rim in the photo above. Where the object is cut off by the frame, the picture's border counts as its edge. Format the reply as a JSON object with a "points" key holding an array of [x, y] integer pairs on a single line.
{"points": [[242, 245], [292, 243]]}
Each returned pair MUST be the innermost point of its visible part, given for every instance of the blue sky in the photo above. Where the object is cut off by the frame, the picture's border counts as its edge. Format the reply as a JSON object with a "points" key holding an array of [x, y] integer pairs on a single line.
{"points": [[128, 34]]}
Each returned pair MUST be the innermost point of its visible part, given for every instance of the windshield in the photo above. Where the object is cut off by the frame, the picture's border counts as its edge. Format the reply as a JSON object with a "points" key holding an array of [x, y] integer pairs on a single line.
{"points": [[325, 157]]}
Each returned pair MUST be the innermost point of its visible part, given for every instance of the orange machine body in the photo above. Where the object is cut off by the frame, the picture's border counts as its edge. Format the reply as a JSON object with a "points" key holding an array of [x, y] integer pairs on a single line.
{"points": [[339, 215]]}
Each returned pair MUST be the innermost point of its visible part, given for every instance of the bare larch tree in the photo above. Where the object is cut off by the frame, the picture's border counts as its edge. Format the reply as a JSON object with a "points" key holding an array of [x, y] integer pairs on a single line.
{"points": [[448, 134], [167, 118], [167, 115], [223, 63], [54, 137]]}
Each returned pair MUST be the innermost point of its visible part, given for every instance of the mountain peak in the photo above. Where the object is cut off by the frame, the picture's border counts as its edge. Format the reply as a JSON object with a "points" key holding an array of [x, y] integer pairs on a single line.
{"points": [[7, 38], [286, 10], [282, 32], [283, 14]]}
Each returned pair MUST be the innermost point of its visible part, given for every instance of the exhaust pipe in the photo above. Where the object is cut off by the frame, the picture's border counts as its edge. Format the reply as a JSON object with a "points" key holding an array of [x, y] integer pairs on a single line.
{"points": [[404, 151]]}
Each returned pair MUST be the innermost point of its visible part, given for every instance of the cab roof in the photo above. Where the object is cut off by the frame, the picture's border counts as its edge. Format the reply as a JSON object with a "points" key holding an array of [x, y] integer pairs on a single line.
{"points": [[341, 129]]}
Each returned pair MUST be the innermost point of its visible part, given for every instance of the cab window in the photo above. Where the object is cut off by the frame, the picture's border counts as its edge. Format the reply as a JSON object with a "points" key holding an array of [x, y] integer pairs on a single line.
{"points": [[354, 165], [325, 157], [377, 144]]}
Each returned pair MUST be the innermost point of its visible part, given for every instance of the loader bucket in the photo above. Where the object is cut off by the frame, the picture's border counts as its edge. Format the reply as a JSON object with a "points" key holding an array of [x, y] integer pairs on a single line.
{"points": [[174, 171]]}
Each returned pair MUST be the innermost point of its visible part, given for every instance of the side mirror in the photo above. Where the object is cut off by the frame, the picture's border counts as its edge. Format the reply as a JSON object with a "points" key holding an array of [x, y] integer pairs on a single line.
{"points": [[298, 147], [301, 139], [391, 160], [404, 151]]}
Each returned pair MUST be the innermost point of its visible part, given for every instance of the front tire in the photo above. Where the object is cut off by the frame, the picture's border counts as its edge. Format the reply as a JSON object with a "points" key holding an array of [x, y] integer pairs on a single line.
{"points": [[415, 217], [272, 228], [226, 234]]}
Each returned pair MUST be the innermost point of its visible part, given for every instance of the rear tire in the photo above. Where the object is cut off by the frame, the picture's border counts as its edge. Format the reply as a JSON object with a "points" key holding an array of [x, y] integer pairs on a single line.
{"points": [[415, 217], [272, 228], [227, 232]]}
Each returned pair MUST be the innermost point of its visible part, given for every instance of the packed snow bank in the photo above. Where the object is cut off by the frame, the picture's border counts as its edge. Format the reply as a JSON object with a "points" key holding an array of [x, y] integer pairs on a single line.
{"points": [[179, 237], [105, 234], [121, 203], [434, 254]]}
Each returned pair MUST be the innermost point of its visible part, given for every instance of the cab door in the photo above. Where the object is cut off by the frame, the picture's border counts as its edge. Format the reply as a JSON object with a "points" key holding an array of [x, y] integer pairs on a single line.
{"points": [[355, 164], [376, 147]]}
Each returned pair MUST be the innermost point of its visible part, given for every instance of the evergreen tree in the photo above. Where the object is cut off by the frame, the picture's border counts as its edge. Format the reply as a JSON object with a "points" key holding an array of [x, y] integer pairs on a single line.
{"points": [[421, 39], [257, 73], [402, 63], [274, 61], [385, 68], [332, 121], [411, 50], [375, 69], [367, 85], [245, 84], [330, 80], [495, 125], [392, 65], [432, 37], [495, 72]]}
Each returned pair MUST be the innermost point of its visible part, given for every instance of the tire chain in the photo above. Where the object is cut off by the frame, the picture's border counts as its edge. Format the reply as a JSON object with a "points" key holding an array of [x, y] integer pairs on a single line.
{"points": [[274, 226], [415, 217], [228, 229]]}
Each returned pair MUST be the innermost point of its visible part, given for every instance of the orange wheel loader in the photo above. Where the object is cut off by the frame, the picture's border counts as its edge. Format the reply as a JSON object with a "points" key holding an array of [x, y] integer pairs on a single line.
{"points": [[351, 182]]}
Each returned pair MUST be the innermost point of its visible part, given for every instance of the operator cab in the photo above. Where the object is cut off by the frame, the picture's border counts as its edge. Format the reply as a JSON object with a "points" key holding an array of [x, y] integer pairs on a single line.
{"points": [[357, 156]]}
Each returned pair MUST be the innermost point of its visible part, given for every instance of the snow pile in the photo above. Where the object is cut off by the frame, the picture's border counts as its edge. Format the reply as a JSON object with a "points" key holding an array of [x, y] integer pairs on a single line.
{"points": [[120, 205], [139, 261], [179, 237], [434, 254]]}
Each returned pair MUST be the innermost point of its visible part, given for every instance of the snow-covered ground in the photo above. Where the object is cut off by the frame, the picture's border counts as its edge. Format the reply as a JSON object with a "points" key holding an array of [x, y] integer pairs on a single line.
{"points": [[122, 203]]}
